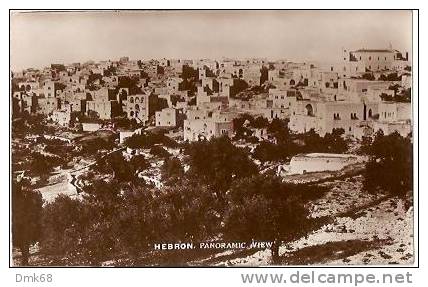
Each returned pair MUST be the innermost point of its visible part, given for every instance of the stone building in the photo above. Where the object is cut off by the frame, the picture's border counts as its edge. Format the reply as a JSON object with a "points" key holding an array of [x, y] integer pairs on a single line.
{"points": [[318, 162], [137, 107], [167, 117]]}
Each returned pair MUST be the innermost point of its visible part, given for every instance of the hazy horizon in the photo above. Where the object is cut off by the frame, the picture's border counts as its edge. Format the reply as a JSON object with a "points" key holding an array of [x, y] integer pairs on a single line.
{"points": [[38, 39]]}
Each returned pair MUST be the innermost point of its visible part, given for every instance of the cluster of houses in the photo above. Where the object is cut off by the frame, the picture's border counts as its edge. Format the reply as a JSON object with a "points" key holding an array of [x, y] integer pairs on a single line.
{"points": [[349, 94]]}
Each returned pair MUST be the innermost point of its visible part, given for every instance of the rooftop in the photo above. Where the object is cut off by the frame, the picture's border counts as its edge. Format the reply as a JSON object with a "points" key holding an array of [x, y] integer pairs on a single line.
{"points": [[326, 155]]}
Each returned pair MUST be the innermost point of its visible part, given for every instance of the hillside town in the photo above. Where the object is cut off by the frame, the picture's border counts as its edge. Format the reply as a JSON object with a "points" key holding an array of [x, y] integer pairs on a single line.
{"points": [[171, 128]]}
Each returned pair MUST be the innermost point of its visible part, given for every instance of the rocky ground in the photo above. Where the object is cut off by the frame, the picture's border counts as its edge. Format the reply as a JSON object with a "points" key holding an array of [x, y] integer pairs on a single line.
{"points": [[367, 229]]}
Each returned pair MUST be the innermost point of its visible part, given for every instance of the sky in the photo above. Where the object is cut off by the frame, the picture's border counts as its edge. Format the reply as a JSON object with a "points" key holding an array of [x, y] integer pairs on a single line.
{"points": [[38, 39]]}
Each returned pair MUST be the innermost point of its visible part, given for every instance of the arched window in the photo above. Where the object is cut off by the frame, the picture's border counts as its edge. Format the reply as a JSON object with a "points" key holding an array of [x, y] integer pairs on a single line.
{"points": [[131, 113], [28, 88], [309, 110], [292, 82], [131, 100], [137, 99], [370, 113], [137, 107]]}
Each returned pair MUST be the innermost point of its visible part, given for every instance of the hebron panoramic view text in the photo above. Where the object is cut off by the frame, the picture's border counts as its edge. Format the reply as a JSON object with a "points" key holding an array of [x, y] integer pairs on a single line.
{"points": [[211, 138]]}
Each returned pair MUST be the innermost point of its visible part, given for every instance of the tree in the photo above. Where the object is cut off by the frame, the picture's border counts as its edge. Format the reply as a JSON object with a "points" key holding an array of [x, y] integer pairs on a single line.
{"points": [[121, 168], [64, 227], [118, 166], [125, 123], [265, 73], [93, 115], [259, 123], [242, 131], [115, 220], [172, 168], [189, 213], [390, 168], [280, 130], [84, 232], [218, 162], [267, 151], [264, 208], [313, 142], [26, 218], [43, 164], [93, 145], [334, 141], [148, 140]]}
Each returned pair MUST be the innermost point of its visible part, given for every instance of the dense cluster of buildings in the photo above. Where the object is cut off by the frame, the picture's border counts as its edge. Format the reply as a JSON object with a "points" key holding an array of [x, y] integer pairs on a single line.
{"points": [[357, 94]]}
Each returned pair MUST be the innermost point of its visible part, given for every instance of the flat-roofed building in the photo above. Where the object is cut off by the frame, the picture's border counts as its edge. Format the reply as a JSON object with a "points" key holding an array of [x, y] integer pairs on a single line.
{"points": [[319, 162]]}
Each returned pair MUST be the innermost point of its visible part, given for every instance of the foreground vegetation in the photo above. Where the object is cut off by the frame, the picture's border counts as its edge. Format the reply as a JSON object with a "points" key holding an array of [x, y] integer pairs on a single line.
{"points": [[222, 196]]}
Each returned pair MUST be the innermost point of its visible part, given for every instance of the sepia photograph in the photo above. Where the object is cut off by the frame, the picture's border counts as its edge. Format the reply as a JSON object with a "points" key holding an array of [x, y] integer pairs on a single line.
{"points": [[211, 138]]}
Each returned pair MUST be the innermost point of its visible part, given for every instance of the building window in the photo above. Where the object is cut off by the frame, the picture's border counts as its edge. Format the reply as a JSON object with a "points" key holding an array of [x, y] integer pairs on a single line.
{"points": [[370, 58]]}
